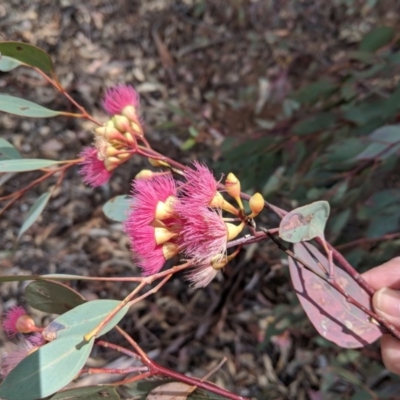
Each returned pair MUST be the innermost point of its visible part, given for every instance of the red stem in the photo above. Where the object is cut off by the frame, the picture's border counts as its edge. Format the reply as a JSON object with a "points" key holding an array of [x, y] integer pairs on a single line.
{"points": [[156, 369]]}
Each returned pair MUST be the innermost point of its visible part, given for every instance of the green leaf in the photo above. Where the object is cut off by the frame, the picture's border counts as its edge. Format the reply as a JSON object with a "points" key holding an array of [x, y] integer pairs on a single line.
{"points": [[383, 142], [52, 297], [339, 221], [188, 144], [28, 54], [377, 38], [84, 318], [26, 164], [320, 122], [8, 64], [315, 91], [34, 212], [8, 151], [47, 369], [304, 223], [117, 208], [88, 393], [25, 108]]}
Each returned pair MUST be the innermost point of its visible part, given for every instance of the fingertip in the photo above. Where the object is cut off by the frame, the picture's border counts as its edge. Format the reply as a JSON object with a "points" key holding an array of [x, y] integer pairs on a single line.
{"points": [[390, 347]]}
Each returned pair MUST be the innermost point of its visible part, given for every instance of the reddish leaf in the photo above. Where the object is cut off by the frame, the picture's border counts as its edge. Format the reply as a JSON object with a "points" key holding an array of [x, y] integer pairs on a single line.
{"points": [[332, 316]]}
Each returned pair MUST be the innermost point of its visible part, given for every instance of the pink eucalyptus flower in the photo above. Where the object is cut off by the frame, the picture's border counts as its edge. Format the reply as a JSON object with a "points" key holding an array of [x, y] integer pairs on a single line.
{"points": [[201, 275], [36, 339], [93, 170], [10, 320], [152, 262], [146, 195], [17, 352], [200, 186], [204, 235], [118, 97]]}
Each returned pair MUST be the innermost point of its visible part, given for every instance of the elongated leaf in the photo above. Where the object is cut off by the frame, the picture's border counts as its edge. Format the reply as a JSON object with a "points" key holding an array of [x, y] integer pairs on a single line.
{"points": [[52, 297], [88, 393], [82, 319], [117, 208], [47, 369], [332, 316], [8, 151], [319, 122], [315, 91], [377, 38], [34, 212], [26, 164], [25, 108], [383, 142], [304, 223], [8, 64], [28, 54]]}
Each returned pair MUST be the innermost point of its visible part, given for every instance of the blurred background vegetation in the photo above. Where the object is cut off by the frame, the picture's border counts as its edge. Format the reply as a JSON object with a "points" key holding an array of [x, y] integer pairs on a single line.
{"points": [[299, 98]]}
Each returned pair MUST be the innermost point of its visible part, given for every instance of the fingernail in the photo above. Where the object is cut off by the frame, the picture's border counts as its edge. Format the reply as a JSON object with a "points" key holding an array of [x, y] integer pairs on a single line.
{"points": [[387, 301]]}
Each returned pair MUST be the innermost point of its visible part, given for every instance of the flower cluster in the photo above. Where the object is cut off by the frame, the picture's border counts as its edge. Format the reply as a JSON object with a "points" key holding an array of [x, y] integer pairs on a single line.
{"points": [[17, 321], [116, 141], [169, 217]]}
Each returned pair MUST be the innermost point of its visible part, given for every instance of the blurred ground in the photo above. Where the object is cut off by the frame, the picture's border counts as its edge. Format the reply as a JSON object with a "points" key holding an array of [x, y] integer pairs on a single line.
{"points": [[201, 64]]}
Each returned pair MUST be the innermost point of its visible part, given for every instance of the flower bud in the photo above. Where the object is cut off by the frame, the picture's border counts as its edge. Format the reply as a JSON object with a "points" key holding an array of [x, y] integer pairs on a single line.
{"points": [[232, 186], [130, 112], [158, 163], [256, 204], [25, 324], [130, 139], [218, 201], [121, 123], [144, 174], [137, 128]]}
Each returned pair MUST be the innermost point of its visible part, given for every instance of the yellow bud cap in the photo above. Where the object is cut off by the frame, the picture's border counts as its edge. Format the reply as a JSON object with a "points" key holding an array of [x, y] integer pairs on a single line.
{"points": [[137, 128], [165, 209], [123, 156], [111, 151], [100, 131], [256, 204], [128, 136], [144, 174], [162, 235], [233, 230], [130, 112], [111, 163], [170, 250], [218, 201], [121, 123]]}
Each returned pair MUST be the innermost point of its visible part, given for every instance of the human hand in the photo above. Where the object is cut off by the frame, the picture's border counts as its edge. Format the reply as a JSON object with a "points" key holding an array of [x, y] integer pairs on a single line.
{"points": [[386, 301]]}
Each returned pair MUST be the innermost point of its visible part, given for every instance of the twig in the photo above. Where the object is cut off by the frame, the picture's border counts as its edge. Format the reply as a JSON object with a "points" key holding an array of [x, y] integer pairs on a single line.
{"points": [[156, 369]]}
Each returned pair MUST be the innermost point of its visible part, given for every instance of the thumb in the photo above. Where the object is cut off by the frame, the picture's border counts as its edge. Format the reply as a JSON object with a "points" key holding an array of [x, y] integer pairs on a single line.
{"points": [[386, 303]]}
